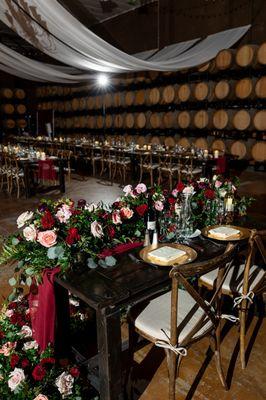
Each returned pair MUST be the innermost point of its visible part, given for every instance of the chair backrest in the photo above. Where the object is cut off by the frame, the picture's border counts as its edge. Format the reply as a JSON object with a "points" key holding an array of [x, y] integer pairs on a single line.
{"points": [[212, 308], [256, 244]]}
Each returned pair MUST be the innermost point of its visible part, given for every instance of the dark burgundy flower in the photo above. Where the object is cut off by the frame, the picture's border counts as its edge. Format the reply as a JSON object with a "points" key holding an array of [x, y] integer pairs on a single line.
{"points": [[171, 200], [141, 209], [165, 192], [209, 194], [12, 305], [111, 231], [48, 360], [25, 363], [72, 236], [2, 335], [38, 373], [180, 186], [17, 319], [14, 360], [117, 204], [47, 220], [74, 371], [82, 203], [42, 207]]}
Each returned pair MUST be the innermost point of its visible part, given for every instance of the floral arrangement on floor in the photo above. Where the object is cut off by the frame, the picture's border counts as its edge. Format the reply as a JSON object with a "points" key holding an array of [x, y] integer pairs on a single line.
{"points": [[59, 233], [25, 373]]}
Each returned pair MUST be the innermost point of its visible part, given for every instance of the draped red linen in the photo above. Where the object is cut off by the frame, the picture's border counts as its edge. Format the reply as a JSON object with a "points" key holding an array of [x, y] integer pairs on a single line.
{"points": [[47, 170], [221, 165]]}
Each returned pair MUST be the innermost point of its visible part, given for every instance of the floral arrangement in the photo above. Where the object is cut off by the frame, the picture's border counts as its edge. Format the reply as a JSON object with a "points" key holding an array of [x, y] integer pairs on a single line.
{"points": [[25, 372], [59, 233]]}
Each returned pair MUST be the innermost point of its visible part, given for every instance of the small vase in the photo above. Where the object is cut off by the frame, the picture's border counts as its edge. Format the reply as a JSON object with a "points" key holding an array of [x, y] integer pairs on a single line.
{"points": [[186, 216]]}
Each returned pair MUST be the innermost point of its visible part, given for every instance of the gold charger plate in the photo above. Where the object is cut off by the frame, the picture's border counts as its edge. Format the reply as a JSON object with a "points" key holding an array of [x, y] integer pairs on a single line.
{"points": [[244, 233], [190, 255]]}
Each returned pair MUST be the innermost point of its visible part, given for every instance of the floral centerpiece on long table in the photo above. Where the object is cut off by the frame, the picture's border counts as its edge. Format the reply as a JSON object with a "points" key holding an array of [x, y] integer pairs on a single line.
{"points": [[55, 236]]}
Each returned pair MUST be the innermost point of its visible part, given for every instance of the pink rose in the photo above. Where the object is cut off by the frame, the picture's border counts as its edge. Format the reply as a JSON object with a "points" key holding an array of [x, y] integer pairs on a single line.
{"points": [[16, 377], [30, 233], [141, 188], [116, 218], [188, 190], [174, 193], [26, 331], [127, 189], [64, 213], [96, 229], [47, 238], [7, 348], [9, 313], [159, 205], [64, 383], [41, 397], [126, 212], [218, 184]]}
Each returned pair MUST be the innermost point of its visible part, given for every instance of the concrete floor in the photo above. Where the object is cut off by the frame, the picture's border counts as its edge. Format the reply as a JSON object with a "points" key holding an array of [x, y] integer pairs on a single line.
{"points": [[198, 379]]}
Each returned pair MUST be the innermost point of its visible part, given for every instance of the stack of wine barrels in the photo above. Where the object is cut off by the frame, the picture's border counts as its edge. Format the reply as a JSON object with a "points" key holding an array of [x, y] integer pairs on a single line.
{"points": [[13, 108]]}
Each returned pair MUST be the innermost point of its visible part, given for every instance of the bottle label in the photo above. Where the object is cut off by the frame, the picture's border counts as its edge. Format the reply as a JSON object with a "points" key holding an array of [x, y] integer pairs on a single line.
{"points": [[151, 225]]}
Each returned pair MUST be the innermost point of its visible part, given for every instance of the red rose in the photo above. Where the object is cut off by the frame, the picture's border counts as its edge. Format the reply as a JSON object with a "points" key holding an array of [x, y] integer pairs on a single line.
{"points": [[111, 231], [180, 186], [38, 373], [12, 305], [47, 220], [106, 253], [171, 200], [2, 335], [141, 209], [14, 360], [72, 236], [209, 194], [17, 319], [48, 360], [74, 371], [117, 204], [25, 363]]}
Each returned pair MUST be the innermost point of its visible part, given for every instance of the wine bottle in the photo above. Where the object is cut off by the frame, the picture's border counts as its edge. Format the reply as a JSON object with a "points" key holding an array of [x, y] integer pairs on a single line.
{"points": [[151, 218], [229, 204]]}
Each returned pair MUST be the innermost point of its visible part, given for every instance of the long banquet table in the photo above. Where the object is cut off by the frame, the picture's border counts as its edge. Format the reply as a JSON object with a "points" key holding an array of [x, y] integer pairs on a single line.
{"points": [[108, 291]]}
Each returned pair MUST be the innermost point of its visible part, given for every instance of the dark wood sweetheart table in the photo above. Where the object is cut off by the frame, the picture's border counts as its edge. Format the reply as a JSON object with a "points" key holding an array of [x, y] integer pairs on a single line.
{"points": [[108, 291]]}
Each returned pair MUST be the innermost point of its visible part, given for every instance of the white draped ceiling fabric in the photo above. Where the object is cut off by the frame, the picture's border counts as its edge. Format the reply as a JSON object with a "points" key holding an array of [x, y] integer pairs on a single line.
{"points": [[50, 27]]}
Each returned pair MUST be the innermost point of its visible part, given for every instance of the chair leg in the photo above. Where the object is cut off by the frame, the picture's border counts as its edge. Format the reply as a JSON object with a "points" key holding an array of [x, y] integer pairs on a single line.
{"points": [[242, 320], [132, 342], [171, 181], [215, 341], [151, 175], [172, 362]]}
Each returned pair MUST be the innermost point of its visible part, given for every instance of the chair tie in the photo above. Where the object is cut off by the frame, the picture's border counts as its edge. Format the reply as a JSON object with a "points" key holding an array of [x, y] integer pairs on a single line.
{"points": [[181, 351], [229, 317], [249, 297]]}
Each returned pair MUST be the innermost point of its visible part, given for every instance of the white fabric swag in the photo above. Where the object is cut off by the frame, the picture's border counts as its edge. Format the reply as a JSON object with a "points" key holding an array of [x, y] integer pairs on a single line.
{"points": [[50, 27]]}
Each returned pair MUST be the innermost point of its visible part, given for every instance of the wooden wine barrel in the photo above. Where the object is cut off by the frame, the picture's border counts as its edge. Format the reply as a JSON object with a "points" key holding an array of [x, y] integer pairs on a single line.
{"points": [[69, 123], [19, 94], [231, 119], [77, 122], [8, 108], [55, 105], [169, 141], [100, 121], [261, 54], [66, 91], [202, 120], [21, 123], [246, 55], [153, 75], [218, 144], [118, 121], [170, 119], [184, 142], [82, 103], [61, 106], [245, 88], [155, 140], [241, 120], [155, 120], [67, 106], [223, 90], [140, 97], [141, 140], [201, 143], [98, 102], [238, 148], [109, 121], [260, 88], [168, 94], [6, 93], [60, 91], [9, 123], [220, 119], [91, 121], [184, 93], [140, 120], [129, 98], [203, 91], [207, 67], [82, 121], [75, 104], [108, 100], [224, 59], [91, 102], [259, 120], [258, 151], [154, 96], [21, 109], [184, 119], [129, 120]]}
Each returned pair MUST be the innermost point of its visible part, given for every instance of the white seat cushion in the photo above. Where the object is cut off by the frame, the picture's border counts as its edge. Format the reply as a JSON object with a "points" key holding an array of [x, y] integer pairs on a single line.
{"points": [[234, 280], [156, 316]]}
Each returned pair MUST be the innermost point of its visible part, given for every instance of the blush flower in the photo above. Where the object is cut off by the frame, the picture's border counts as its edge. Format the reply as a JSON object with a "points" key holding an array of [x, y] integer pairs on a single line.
{"points": [[141, 188], [116, 218], [96, 229], [218, 184], [30, 345], [16, 377], [64, 213], [159, 205], [30, 233], [64, 383], [127, 189], [7, 348], [47, 238], [41, 397], [188, 190], [174, 192], [23, 218], [26, 331], [126, 213]]}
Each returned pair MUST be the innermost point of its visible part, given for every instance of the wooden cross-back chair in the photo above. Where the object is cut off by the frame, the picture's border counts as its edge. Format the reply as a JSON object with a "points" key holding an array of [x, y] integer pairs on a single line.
{"points": [[108, 161], [188, 167], [167, 166], [122, 165], [243, 282], [15, 176], [147, 164], [177, 319]]}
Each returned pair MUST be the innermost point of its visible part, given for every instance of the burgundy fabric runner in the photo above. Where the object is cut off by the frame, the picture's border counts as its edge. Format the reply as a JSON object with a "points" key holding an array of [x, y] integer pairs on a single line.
{"points": [[221, 165], [42, 310], [47, 170]]}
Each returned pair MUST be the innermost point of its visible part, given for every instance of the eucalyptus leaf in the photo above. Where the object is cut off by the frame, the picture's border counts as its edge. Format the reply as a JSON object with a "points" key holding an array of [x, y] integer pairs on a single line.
{"points": [[110, 261], [137, 233], [28, 281], [29, 271], [15, 241], [20, 264], [170, 235], [91, 263], [12, 296], [12, 281], [55, 252], [102, 264]]}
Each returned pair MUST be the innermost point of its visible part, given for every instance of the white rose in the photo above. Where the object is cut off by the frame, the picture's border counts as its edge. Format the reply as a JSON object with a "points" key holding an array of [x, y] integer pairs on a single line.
{"points": [[116, 218], [30, 233], [30, 345], [127, 189], [65, 382], [188, 190], [96, 229], [23, 218], [15, 378], [26, 331], [74, 302], [91, 207]]}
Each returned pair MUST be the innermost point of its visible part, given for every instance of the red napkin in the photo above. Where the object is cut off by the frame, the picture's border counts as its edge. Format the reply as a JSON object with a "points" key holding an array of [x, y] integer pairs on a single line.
{"points": [[47, 170]]}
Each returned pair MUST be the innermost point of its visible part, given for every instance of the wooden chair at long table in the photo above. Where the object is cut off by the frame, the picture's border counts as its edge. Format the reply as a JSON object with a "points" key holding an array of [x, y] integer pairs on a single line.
{"points": [[178, 318], [243, 283], [147, 164], [167, 166]]}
